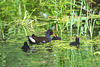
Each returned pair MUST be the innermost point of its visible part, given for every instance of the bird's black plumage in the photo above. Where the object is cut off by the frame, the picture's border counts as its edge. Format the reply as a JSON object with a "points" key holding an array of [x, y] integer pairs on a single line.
{"points": [[25, 47], [56, 37], [76, 43], [33, 35], [35, 39]]}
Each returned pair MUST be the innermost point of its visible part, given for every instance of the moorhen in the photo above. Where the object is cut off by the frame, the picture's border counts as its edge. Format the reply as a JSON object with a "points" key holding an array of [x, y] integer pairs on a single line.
{"points": [[56, 38], [35, 39], [77, 43], [33, 35], [25, 47]]}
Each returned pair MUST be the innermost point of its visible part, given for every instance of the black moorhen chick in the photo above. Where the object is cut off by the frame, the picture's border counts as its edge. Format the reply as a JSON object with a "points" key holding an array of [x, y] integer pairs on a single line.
{"points": [[56, 38], [35, 40], [77, 43], [25, 47], [33, 35]]}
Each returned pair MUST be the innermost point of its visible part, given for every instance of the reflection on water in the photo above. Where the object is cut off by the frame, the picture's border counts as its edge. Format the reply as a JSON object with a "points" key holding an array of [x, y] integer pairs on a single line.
{"points": [[53, 54]]}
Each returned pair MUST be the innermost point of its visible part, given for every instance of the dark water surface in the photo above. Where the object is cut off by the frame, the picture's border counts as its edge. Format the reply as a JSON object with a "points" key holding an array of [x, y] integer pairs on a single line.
{"points": [[56, 53]]}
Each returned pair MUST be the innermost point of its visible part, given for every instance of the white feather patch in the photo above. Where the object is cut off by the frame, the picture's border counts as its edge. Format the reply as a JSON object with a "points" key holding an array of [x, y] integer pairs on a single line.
{"points": [[32, 39], [44, 41]]}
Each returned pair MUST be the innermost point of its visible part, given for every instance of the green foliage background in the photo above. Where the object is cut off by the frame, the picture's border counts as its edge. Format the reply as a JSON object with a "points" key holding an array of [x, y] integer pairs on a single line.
{"points": [[69, 18]]}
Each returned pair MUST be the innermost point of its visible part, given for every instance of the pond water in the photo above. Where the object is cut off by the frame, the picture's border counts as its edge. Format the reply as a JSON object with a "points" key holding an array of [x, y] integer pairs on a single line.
{"points": [[56, 53]]}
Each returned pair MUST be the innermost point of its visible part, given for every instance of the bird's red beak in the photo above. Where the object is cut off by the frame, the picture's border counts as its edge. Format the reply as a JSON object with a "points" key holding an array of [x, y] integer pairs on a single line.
{"points": [[53, 34]]}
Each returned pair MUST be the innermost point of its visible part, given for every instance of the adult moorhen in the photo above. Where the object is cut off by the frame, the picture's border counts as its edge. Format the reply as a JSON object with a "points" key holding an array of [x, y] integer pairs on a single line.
{"points": [[25, 47], [35, 40], [56, 38], [77, 43]]}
